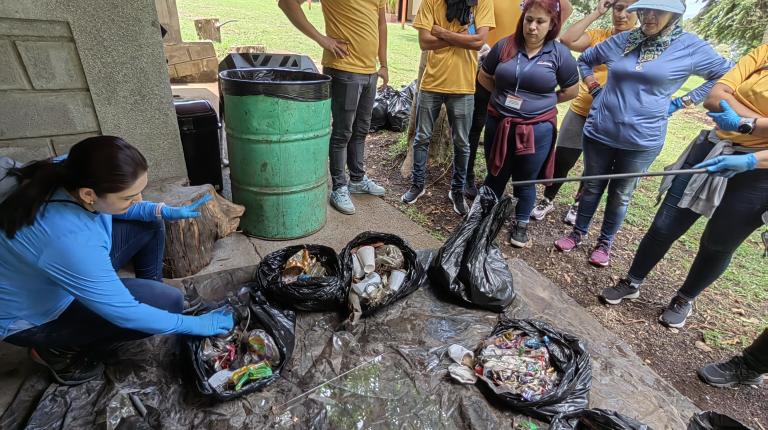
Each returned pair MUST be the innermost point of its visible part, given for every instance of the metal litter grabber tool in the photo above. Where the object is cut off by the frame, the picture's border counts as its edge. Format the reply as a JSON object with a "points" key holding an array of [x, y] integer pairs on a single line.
{"points": [[610, 176]]}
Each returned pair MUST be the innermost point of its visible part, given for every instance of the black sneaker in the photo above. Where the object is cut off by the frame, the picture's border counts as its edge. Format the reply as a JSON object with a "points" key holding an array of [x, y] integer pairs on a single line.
{"points": [[729, 373], [459, 205], [624, 289], [518, 237], [68, 368], [412, 194], [677, 312]]}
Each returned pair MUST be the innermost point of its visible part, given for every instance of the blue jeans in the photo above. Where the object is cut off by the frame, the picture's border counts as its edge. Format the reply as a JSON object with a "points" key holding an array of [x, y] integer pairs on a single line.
{"points": [[80, 328], [519, 167], [459, 108], [601, 159], [738, 215]]}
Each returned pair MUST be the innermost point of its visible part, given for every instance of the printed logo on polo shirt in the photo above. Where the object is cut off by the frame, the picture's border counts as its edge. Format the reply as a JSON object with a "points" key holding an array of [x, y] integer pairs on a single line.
{"points": [[545, 63]]}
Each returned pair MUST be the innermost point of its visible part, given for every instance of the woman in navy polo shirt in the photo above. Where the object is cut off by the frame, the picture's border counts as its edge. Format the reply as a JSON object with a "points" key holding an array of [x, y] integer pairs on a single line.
{"points": [[524, 72], [627, 122]]}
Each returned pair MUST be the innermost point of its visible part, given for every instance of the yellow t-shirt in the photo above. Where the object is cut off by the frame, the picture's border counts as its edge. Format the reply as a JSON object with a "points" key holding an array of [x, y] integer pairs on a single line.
{"points": [[357, 22], [749, 82], [581, 104], [506, 13], [451, 70]]}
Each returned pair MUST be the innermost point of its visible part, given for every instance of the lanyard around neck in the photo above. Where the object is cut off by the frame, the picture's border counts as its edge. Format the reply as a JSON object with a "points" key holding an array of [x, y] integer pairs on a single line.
{"points": [[518, 72]]}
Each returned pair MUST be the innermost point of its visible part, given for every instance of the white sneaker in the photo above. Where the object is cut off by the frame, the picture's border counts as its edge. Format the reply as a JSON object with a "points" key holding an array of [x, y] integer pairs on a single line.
{"points": [[570, 217], [541, 210]]}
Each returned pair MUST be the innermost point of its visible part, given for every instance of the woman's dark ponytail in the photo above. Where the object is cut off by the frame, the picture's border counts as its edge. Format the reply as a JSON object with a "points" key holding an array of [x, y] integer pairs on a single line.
{"points": [[106, 164]]}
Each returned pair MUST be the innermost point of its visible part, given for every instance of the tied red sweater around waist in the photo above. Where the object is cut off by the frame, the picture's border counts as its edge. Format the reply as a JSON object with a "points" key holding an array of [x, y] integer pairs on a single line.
{"points": [[524, 140]]}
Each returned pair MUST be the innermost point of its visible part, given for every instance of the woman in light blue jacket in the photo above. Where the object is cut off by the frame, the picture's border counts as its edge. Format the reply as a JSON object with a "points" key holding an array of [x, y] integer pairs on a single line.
{"points": [[627, 122]]}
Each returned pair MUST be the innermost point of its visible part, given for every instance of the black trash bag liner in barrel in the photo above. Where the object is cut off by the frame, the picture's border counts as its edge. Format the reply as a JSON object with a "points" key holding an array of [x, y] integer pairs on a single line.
{"points": [[469, 267], [569, 358], [596, 419], [252, 310], [314, 294], [288, 84], [711, 420], [415, 275]]}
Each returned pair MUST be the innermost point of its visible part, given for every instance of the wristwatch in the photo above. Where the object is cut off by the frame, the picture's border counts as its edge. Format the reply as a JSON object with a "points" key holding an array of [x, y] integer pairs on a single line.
{"points": [[747, 125], [687, 100]]}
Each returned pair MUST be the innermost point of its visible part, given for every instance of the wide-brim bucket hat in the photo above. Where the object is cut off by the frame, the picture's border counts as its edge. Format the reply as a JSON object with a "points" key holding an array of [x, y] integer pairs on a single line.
{"points": [[674, 6]]}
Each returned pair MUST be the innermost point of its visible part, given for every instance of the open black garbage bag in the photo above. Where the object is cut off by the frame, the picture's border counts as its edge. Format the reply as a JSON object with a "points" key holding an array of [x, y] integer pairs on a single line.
{"points": [[714, 421], [469, 267], [279, 324], [415, 274], [596, 419], [567, 355], [315, 294]]}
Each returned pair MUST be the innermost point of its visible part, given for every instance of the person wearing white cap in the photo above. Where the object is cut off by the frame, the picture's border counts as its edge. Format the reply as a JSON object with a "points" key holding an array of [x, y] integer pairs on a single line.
{"points": [[627, 123]]}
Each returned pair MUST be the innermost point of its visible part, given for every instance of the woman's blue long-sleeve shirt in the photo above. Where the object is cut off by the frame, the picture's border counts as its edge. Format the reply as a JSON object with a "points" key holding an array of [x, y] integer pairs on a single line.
{"points": [[631, 111], [64, 256]]}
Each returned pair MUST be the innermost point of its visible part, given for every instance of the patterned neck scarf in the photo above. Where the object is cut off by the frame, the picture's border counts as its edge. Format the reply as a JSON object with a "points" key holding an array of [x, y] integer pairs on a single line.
{"points": [[652, 47]]}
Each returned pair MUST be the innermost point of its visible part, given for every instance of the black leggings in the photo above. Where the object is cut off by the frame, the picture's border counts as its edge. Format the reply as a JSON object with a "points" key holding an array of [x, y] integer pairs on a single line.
{"points": [[738, 215], [565, 159], [756, 355]]}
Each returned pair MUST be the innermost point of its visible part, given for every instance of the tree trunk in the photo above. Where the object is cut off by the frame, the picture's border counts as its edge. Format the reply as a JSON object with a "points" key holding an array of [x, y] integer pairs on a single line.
{"points": [[189, 242], [440, 148], [765, 35], [208, 29]]}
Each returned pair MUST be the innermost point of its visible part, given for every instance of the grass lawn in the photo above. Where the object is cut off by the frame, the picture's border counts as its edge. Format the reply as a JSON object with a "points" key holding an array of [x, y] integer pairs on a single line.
{"points": [[262, 22]]}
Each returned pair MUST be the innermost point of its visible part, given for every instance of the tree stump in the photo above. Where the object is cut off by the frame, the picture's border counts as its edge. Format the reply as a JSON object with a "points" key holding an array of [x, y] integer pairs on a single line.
{"points": [[189, 243], [208, 29]]}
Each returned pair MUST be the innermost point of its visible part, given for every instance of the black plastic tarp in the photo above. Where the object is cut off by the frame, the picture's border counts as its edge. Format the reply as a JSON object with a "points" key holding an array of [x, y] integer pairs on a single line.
{"points": [[596, 419]]}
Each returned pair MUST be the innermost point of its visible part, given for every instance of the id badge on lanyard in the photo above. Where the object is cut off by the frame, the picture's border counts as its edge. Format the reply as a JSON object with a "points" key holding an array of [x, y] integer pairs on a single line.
{"points": [[514, 101]]}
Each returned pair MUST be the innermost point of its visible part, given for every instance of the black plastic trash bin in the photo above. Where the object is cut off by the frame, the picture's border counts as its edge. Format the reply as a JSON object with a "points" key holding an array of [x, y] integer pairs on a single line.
{"points": [[199, 129]]}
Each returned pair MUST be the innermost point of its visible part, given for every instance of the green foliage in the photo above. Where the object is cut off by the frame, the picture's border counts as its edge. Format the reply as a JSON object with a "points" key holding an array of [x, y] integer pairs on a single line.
{"points": [[741, 23]]}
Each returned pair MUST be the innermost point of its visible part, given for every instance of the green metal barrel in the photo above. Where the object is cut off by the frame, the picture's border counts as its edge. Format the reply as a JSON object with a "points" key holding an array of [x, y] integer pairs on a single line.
{"points": [[278, 125]]}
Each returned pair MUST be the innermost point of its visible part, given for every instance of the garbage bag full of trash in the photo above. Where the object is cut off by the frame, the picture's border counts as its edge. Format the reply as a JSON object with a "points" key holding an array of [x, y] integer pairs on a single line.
{"points": [[380, 108], [714, 421], [251, 356], [399, 110], [303, 278], [596, 419], [469, 267], [377, 277], [568, 357]]}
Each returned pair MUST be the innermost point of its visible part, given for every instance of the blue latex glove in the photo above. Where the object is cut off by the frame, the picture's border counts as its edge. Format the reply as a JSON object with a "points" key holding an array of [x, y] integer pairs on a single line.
{"points": [[729, 165], [674, 106], [213, 323], [172, 213], [728, 119]]}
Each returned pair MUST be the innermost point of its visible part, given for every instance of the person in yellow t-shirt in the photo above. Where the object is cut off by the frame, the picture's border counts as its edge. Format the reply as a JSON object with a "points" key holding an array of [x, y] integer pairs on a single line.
{"points": [[736, 206], [356, 38], [568, 150], [452, 31]]}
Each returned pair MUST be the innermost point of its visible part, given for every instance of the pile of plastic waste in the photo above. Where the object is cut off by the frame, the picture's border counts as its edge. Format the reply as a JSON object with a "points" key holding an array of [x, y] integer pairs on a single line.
{"points": [[301, 267], [513, 361], [377, 272], [241, 357]]}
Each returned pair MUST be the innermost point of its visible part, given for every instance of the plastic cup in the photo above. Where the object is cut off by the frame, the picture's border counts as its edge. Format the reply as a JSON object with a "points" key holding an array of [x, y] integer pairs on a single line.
{"points": [[367, 256], [357, 269], [396, 278], [365, 287]]}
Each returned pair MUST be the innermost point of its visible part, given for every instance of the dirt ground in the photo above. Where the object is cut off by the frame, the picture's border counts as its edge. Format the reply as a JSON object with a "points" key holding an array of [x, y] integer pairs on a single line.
{"points": [[674, 354]]}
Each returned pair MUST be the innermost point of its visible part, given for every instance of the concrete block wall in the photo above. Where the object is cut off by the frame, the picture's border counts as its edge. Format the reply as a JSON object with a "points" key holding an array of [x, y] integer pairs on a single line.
{"points": [[74, 68], [47, 106], [192, 61]]}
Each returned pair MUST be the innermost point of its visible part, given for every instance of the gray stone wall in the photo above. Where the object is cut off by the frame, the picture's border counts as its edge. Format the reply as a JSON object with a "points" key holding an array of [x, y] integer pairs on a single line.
{"points": [[76, 68]]}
